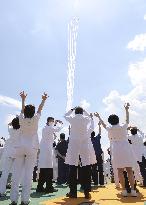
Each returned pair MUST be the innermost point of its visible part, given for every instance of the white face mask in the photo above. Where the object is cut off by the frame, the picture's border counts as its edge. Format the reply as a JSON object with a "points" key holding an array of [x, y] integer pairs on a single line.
{"points": [[51, 123]]}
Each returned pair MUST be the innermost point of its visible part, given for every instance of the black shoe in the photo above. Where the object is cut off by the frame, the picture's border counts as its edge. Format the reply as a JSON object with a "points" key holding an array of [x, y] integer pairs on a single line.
{"points": [[42, 190], [87, 195], [71, 195], [51, 190], [8, 186], [13, 203]]}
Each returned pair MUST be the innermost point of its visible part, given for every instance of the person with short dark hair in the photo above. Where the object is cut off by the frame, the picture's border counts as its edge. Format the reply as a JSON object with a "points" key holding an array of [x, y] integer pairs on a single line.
{"points": [[9, 154], [121, 151], [97, 169], [45, 164], [63, 169], [136, 139], [27, 149], [79, 145]]}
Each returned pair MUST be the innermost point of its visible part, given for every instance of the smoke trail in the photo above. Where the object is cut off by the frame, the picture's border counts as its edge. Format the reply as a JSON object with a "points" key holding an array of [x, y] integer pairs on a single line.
{"points": [[72, 37]]}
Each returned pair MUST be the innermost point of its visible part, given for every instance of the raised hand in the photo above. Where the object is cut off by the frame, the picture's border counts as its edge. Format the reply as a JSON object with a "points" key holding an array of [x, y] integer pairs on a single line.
{"points": [[23, 95], [91, 115], [127, 106], [96, 114], [45, 96]]}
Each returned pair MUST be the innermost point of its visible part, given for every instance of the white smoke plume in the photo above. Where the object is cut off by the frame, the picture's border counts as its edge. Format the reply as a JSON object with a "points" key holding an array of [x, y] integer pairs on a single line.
{"points": [[72, 41]]}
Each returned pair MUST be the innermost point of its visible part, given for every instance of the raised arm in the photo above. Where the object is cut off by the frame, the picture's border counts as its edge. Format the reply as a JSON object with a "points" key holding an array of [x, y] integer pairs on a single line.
{"points": [[102, 122], [126, 106], [67, 116], [44, 98], [87, 114], [99, 128], [23, 96]]}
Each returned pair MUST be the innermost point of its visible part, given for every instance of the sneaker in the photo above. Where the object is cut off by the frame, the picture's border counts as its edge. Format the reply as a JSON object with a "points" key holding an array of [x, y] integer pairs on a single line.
{"points": [[25, 203], [133, 193], [51, 190], [13, 203], [87, 195], [71, 195], [124, 193]]}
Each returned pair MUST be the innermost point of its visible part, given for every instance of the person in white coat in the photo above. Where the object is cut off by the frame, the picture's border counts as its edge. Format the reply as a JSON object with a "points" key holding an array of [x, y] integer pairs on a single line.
{"points": [[46, 155], [9, 153], [26, 153], [121, 152], [79, 145], [136, 139]]}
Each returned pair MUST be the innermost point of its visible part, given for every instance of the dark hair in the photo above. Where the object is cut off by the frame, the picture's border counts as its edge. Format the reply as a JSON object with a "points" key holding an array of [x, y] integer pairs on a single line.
{"points": [[79, 110], [133, 131], [50, 119], [113, 119], [144, 143], [15, 123], [29, 111], [62, 136], [93, 134]]}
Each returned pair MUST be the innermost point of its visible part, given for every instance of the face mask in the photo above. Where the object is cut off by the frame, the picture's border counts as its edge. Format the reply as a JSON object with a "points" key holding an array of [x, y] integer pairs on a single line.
{"points": [[51, 123]]}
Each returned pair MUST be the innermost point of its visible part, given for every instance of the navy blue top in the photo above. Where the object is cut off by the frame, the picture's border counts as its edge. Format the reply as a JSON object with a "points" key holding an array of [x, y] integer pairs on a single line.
{"points": [[62, 147], [97, 145]]}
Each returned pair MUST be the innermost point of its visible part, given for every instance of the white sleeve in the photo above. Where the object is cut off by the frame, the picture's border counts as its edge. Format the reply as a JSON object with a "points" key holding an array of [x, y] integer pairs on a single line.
{"points": [[86, 114], [91, 128], [68, 116], [20, 118], [57, 128]]}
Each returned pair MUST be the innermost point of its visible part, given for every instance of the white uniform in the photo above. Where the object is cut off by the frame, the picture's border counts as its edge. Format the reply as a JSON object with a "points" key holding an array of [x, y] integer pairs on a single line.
{"points": [[137, 146], [80, 140], [8, 157], [26, 155], [121, 151], [46, 146]]}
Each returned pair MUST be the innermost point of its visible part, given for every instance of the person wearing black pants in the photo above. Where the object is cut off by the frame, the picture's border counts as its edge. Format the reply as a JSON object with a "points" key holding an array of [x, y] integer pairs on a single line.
{"points": [[85, 179], [45, 176], [80, 145], [97, 169]]}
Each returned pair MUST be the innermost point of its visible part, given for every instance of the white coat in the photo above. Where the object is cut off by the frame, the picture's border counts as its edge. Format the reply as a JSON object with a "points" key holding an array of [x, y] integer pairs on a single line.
{"points": [[137, 146], [46, 146], [80, 140]]}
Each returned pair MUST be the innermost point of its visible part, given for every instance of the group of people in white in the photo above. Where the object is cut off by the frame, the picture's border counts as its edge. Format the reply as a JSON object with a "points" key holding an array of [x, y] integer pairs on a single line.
{"points": [[22, 149]]}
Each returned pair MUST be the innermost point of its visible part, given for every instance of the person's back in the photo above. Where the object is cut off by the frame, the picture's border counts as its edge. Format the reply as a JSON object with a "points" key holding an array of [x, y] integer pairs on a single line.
{"points": [[117, 132]]}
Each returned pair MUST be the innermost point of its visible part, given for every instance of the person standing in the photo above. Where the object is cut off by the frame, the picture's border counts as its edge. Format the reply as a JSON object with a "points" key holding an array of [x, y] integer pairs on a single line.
{"points": [[46, 155], [26, 153], [79, 145], [97, 169], [61, 150], [121, 151]]}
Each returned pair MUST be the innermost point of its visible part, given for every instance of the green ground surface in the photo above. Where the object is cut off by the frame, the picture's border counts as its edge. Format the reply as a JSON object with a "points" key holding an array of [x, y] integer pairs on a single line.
{"points": [[36, 198]]}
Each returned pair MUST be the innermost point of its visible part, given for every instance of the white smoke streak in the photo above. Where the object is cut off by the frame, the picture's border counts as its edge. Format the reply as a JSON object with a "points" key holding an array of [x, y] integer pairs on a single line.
{"points": [[72, 37]]}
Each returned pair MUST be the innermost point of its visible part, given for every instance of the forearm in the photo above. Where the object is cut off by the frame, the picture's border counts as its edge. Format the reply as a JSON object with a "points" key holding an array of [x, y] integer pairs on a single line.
{"points": [[87, 114], [23, 106], [68, 114], [41, 107], [127, 116]]}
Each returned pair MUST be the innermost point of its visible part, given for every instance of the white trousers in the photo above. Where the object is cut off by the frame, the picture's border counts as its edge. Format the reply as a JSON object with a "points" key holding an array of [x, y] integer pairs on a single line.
{"points": [[23, 164], [5, 173]]}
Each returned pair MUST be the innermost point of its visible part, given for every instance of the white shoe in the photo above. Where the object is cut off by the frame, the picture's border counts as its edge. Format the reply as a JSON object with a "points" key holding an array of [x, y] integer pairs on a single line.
{"points": [[133, 193], [124, 193]]}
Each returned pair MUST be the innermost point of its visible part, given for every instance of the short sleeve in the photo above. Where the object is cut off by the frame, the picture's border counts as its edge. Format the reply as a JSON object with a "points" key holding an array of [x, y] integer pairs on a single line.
{"points": [[21, 118], [125, 126], [38, 115]]}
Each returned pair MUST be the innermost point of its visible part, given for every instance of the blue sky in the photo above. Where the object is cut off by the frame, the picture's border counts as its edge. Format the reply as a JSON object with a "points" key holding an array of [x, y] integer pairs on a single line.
{"points": [[33, 51]]}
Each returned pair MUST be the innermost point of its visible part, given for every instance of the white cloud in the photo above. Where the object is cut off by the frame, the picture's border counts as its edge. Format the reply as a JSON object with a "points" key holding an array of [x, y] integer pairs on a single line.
{"points": [[136, 97], [84, 104], [7, 101], [139, 43], [145, 17], [9, 118]]}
